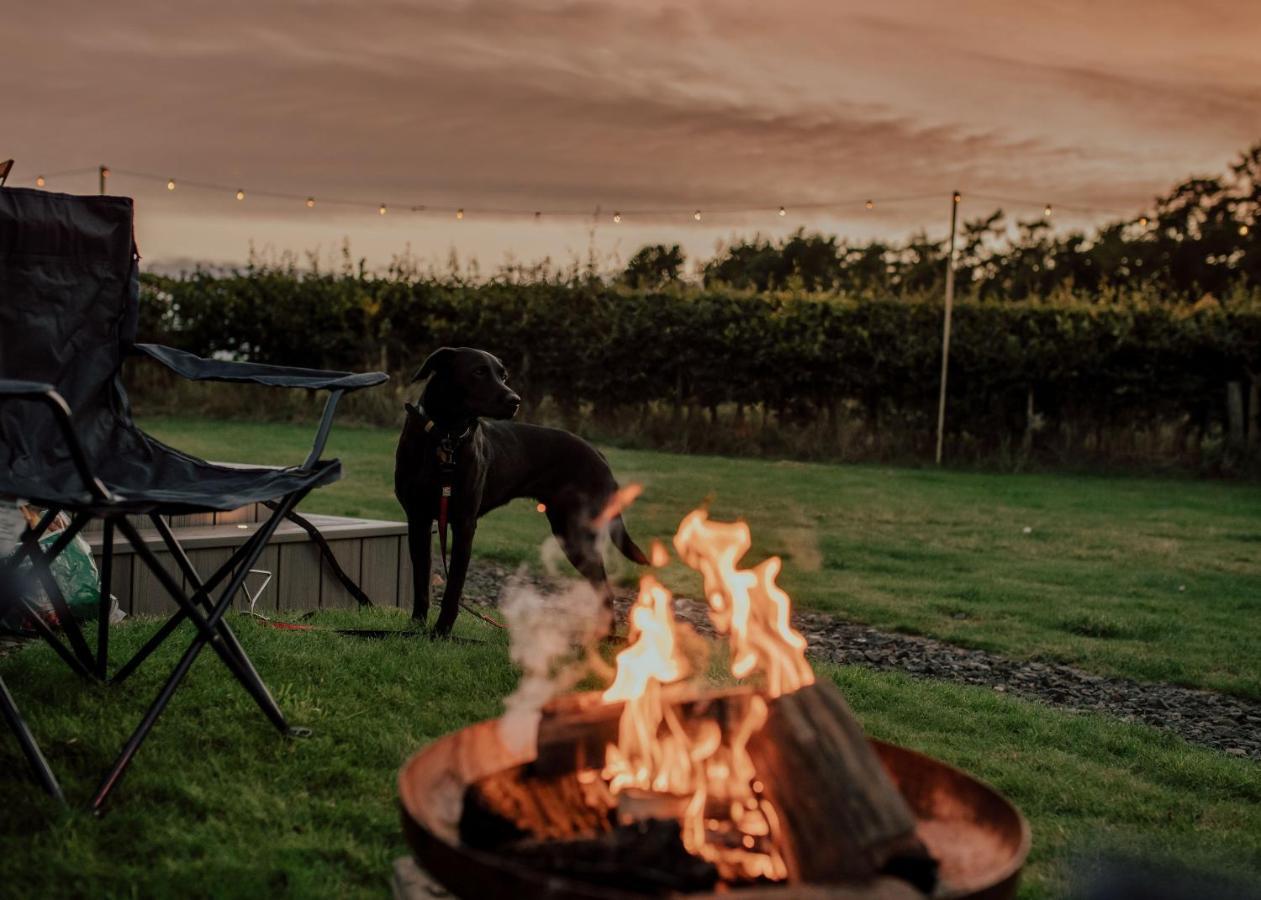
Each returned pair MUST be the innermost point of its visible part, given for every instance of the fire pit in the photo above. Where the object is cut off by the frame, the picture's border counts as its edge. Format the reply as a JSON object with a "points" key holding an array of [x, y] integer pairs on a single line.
{"points": [[659, 786]]}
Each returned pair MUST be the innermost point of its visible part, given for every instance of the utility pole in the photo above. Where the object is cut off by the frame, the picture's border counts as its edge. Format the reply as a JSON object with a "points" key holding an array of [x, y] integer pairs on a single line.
{"points": [[945, 329]]}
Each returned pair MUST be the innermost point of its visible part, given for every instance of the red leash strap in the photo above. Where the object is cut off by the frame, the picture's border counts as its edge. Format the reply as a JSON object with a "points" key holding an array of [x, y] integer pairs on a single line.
{"points": [[442, 524]]}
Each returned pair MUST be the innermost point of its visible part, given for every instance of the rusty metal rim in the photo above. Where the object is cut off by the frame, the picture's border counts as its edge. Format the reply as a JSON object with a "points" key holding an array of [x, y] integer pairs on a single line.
{"points": [[448, 860], [1010, 872]]}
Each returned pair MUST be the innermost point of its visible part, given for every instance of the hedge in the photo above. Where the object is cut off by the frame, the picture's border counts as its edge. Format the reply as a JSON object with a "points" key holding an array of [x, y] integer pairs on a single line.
{"points": [[1083, 368]]}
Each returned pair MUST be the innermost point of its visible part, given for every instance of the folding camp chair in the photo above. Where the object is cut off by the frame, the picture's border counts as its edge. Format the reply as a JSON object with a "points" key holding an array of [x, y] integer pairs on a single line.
{"points": [[69, 289]]}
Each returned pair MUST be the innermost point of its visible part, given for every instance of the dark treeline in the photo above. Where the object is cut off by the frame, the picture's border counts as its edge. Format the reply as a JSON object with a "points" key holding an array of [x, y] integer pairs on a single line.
{"points": [[1139, 345], [1200, 238]]}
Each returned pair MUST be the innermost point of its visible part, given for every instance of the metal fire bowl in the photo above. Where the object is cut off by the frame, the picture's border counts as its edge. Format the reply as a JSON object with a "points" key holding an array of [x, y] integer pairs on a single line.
{"points": [[979, 839]]}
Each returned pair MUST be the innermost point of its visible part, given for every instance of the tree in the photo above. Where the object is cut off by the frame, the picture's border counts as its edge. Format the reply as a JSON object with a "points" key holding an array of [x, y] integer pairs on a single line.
{"points": [[654, 266]]}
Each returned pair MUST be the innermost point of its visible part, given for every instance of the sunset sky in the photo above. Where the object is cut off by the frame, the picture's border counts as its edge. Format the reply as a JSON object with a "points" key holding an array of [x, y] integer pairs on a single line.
{"points": [[629, 106]]}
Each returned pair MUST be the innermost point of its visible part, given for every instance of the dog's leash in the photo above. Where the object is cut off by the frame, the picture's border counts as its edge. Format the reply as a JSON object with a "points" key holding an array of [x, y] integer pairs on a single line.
{"points": [[446, 478]]}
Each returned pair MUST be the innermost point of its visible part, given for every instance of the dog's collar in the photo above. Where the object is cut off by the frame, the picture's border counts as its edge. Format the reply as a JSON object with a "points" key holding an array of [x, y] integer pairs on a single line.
{"points": [[446, 436]]}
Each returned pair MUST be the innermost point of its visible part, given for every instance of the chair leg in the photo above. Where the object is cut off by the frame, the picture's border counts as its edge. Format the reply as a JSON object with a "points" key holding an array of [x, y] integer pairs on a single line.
{"points": [[41, 563], [17, 599], [202, 596], [213, 631], [50, 637], [149, 646], [105, 606], [254, 681], [34, 756], [326, 552], [206, 633]]}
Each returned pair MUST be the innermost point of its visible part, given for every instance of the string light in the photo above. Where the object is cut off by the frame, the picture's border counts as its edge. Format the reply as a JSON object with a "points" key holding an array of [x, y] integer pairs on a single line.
{"points": [[1243, 230], [697, 216]]}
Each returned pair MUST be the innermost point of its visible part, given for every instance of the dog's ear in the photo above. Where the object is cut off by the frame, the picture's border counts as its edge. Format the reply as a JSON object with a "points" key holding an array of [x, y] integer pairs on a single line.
{"points": [[437, 360]]}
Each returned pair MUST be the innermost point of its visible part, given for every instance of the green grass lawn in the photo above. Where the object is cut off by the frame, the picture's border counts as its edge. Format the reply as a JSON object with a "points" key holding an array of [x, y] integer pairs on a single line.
{"points": [[1155, 579], [219, 805]]}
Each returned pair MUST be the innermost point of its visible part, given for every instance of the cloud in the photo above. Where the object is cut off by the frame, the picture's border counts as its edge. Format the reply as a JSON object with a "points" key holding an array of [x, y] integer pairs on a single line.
{"points": [[636, 105]]}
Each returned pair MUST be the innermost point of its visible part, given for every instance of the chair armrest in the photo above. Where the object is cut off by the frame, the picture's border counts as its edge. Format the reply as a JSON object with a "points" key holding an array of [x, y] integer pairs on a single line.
{"points": [[39, 392], [29, 390], [196, 368]]}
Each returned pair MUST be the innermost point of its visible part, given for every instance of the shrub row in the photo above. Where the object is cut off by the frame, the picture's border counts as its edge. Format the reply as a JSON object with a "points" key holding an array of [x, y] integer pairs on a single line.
{"points": [[1081, 368]]}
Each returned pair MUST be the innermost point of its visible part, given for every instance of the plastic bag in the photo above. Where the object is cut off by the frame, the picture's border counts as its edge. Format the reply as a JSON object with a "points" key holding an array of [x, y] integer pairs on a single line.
{"points": [[74, 572]]}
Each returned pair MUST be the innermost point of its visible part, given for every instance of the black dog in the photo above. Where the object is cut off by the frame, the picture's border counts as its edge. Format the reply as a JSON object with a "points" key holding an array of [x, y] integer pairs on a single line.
{"points": [[448, 446]]}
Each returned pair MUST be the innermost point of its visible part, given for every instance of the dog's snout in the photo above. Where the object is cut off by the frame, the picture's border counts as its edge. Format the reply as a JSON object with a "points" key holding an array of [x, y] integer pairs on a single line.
{"points": [[512, 401]]}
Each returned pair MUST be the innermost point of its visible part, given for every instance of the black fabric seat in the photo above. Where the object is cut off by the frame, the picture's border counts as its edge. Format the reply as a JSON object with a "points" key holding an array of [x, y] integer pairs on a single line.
{"points": [[174, 483], [69, 288]]}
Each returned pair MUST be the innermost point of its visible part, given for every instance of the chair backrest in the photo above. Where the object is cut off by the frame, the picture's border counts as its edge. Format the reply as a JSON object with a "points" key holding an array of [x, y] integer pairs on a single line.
{"points": [[69, 289]]}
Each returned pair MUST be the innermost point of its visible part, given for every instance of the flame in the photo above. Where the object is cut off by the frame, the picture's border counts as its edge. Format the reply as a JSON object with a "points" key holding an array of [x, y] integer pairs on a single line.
{"points": [[747, 604], [622, 498], [726, 820], [658, 555], [653, 652]]}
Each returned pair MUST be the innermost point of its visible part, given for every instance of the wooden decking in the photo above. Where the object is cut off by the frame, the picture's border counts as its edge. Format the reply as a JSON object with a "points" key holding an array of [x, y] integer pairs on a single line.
{"points": [[373, 553]]}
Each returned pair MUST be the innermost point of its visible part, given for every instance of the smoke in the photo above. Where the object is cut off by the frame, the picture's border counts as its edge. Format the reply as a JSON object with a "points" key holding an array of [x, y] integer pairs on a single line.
{"points": [[553, 634], [552, 637]]}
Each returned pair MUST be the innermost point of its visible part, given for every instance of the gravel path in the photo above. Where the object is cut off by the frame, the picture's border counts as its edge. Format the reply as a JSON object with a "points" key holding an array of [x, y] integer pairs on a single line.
{"points": [[1221, 721]]}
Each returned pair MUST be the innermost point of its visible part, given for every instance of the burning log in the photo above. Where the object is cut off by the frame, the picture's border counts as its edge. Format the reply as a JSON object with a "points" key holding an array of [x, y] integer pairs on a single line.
{"points": [[841, 817], [564, 825], [645, 857], [512, 805], [573, 738]]}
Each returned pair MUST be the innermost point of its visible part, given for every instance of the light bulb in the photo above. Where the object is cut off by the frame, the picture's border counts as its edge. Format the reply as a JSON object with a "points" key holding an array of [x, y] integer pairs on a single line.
{"points": [[870, 204], [617, 217], [1142, 221], [1243, 229], [1046, 211], [957, 197], [459, 213], [697, 215], [39, 181], [170, 184], [105, 171], [240, 195], [782, 211], [381, 210], [310, 202]]}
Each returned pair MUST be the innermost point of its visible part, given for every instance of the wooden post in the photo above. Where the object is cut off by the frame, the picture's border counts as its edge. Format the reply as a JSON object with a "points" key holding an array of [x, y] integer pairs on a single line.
{"points": [[945, 329], [103, 172]]}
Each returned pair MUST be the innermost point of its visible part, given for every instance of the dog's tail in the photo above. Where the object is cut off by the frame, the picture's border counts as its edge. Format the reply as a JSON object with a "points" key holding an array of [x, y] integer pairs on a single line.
{"points": [[622, 540]]}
